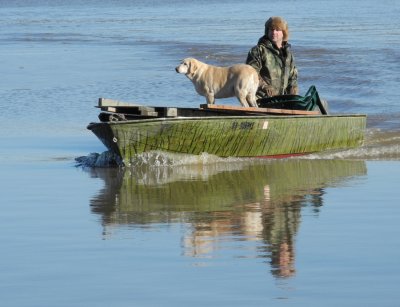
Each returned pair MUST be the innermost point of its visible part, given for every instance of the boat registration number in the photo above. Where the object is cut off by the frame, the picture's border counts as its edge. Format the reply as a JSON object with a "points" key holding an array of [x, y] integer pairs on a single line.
{"points": [[242, 125]]}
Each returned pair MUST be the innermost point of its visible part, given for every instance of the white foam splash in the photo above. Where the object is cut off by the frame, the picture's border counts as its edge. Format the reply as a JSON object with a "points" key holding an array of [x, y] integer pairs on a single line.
{"points": [[155, 159], [161, 158]]}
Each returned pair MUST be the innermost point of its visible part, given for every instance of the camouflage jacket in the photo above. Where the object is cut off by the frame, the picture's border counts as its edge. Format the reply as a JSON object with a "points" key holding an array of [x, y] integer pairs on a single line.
{"points": [[276, 67]]}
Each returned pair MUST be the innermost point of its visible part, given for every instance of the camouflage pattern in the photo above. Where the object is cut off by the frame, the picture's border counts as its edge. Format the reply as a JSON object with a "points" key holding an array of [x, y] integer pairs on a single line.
{"points": [[276, 67]]}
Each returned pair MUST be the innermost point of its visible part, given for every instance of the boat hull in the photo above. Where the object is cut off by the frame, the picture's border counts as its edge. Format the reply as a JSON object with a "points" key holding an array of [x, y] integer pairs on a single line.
{"points": [[232, 136]]}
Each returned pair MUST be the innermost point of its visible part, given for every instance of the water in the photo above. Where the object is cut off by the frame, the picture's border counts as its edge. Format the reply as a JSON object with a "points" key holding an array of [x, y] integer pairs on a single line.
{"points": [[173, 230]]}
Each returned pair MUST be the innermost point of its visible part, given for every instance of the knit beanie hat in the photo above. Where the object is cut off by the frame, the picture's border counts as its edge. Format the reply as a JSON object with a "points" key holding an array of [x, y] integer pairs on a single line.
{"points": [[278, 23]]}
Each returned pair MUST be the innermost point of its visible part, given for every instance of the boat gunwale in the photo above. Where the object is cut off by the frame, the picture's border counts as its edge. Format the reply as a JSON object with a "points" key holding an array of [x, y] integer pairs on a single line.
{"points": [[250, 117]]}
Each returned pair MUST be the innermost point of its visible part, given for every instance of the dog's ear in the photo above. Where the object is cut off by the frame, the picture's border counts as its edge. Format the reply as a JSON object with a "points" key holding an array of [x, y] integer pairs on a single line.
{"points": [[193, 66]]}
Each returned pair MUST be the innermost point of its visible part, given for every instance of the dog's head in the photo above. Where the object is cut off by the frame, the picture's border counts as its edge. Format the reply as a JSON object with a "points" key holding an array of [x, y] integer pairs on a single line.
{"points": [[187, 67]]}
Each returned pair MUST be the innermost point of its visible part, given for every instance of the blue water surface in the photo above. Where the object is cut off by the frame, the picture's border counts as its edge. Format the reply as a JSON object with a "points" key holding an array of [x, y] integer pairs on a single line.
{"points": [[319, 231]]}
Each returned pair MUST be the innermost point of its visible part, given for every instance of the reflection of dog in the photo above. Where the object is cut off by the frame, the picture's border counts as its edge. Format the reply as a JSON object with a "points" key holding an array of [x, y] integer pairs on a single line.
{"points": [[239, 80]]}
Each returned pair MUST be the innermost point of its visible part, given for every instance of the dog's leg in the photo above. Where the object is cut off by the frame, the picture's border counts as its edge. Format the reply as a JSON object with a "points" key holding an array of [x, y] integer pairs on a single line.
{"points": [[243, 101], [251, 99], [210, 98]]}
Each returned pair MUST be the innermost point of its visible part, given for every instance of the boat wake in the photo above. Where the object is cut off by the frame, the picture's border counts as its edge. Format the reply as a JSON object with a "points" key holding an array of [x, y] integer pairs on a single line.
{"points": [[379, 145], [155, 159]]}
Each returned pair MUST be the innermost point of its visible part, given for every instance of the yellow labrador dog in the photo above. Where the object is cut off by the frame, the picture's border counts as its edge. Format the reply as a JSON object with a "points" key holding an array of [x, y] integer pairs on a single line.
{"points": [[213, 82]]}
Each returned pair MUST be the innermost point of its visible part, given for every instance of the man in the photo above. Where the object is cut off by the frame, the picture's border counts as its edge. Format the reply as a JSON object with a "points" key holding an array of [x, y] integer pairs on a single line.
{"points": [[274, 61]]}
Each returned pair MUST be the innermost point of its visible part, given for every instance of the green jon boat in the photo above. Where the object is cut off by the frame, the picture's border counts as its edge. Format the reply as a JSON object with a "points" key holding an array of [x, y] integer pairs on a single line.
{"points": [[225, 131]]}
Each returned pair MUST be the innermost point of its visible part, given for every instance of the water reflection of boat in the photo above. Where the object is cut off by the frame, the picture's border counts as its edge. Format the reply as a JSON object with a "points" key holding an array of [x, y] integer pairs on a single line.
{"points": [[253, 201]]}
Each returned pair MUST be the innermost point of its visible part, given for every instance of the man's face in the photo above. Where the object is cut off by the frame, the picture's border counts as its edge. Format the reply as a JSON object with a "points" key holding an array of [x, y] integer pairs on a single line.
{"points": [[275, 35]]}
